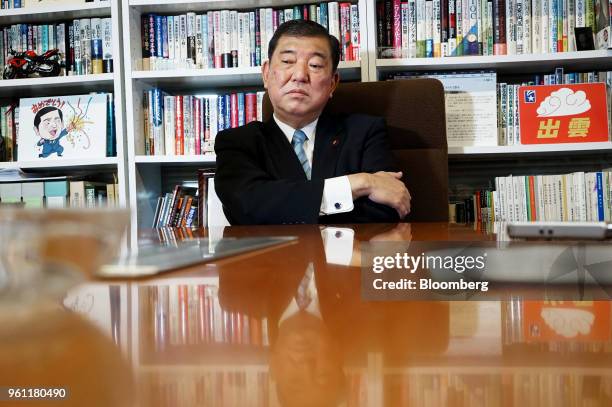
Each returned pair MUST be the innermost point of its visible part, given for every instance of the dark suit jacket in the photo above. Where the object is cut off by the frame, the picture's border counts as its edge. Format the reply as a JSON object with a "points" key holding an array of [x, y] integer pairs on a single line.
{"points": [[260, 180]]}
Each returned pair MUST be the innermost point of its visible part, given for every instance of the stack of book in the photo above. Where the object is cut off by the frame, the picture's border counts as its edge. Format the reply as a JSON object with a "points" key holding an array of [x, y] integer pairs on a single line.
{"points": [[441, 28], [85, 45], [178, 208], [188, 124], [231, 39], [577, 196]]}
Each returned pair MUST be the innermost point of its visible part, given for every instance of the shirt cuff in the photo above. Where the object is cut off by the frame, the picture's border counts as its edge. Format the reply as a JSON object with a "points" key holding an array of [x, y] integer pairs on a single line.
{"points": [[338, 244], [337, 196]]}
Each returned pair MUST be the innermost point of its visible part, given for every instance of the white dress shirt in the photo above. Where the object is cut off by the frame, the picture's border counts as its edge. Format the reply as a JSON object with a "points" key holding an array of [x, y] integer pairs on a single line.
{"points": [[337, 194]]}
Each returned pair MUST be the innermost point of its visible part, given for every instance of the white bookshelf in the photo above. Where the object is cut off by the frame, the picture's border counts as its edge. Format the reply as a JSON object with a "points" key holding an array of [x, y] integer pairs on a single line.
{"points": [[174, 159], [74, 85], [69, 164], [32, 87], [146, 174], [532, 149], [579, 60]]}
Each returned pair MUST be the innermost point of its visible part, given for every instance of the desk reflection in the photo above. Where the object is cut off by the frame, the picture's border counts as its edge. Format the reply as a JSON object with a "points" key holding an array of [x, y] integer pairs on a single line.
{"points": [[288, 328]]}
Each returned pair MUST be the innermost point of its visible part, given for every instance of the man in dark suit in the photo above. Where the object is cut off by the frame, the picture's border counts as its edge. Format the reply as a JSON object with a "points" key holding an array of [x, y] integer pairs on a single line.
{"points": [[304, 166]]}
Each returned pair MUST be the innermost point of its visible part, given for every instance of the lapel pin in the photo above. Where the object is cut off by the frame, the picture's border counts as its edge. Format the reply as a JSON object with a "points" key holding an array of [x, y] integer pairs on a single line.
{"points": [[335, 142]]}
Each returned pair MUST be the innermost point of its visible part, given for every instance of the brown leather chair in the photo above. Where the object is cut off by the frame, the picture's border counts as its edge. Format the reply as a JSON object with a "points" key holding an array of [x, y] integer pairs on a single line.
{"points": [[415, 115]]}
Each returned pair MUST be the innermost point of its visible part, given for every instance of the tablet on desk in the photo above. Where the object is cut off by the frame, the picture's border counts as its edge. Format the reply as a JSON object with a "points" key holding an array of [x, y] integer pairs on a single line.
{"points": [[155, 259], [560, 230]]}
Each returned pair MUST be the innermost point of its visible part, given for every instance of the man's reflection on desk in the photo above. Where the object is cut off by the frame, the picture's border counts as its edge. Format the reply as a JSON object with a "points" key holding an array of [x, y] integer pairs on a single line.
{"points": [[318, 325]]}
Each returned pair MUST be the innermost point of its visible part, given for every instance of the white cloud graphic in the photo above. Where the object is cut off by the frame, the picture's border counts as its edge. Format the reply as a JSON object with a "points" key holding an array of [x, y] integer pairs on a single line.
{"points": [[564, 102], [568, 322]]}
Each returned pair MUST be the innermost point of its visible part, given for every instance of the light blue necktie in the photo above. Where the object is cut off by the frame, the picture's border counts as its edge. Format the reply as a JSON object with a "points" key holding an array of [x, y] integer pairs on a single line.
{"points": [[298, 146]]}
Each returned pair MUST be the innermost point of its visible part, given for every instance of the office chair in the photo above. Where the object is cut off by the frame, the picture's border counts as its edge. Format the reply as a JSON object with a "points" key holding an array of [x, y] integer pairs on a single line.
{"points": [[416, 124]]}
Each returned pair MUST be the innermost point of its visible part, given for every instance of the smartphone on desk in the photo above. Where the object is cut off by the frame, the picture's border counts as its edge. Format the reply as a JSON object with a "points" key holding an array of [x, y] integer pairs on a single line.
{"points": [[560, 230]]}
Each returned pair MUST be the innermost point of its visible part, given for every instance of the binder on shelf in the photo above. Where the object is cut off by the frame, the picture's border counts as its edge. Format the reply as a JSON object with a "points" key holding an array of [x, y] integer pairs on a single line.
{"points": [[56, 194], [33, 194]]}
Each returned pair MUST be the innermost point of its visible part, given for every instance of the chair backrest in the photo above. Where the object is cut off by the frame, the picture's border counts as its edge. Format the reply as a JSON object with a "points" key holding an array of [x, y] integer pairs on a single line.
{"points": [[416, 124]]}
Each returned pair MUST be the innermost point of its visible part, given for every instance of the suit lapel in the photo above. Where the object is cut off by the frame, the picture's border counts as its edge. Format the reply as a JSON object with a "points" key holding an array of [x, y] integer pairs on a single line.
{"points": [[328, 143], [283, 157]]}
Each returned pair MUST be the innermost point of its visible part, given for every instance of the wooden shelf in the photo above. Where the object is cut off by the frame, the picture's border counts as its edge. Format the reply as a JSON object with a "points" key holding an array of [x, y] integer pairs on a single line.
{"points": [[532, 148], [84, 163], [56, 85], [55, 12], [579, 60]]}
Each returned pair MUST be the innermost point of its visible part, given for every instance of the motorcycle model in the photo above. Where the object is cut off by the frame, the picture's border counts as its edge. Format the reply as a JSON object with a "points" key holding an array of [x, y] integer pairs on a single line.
{"points": [[24, 64]]}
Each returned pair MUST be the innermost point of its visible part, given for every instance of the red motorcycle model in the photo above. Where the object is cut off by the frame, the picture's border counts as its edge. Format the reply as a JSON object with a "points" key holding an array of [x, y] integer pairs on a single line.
{"points": [[24, 64]]}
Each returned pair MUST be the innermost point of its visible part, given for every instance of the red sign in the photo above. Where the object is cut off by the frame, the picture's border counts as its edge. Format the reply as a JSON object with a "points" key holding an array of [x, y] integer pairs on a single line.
{"points": [[574, 321], [563, 113]]}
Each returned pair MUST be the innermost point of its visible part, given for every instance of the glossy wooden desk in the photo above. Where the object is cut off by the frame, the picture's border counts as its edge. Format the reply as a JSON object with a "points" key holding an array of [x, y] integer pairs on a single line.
{"points": [[220, 335]]}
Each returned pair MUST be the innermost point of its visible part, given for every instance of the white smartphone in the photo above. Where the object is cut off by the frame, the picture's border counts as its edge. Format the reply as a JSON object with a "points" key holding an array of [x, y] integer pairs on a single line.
{"points": [[560, 230]]}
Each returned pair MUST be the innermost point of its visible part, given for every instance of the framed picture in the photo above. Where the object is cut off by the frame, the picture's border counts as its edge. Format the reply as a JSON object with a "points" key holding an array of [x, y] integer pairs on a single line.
{"points": [[62, 127]]}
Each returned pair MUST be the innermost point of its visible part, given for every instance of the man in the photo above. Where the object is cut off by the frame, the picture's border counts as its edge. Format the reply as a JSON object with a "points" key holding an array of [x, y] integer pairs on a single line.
{"points": [[303, 166], [49, 126]]}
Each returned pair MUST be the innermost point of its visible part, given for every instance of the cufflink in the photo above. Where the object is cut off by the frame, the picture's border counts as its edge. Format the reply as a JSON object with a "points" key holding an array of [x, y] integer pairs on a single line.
{"points": [[338, 205]]}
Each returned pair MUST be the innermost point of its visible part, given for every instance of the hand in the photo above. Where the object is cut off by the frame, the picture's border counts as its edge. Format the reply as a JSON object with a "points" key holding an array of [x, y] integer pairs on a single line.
{"points": [[384, 188]]}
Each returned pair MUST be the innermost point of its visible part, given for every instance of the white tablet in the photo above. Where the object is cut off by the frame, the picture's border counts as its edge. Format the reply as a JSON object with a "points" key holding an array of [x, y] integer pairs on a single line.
{"points": [[560, 230]]}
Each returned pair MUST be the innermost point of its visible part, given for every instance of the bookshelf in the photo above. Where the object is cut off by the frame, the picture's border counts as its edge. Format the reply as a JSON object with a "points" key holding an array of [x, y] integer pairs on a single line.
{"points": [[68, 85], [149, 176]]}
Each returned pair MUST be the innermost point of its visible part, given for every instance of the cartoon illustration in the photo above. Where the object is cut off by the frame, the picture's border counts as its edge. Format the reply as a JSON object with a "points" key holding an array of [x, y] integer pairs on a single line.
{"points": [[63, 127], [49, 126]]}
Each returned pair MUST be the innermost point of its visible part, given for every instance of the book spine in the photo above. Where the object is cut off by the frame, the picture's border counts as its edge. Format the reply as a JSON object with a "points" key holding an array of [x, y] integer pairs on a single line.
{"points": [[96, 46], [420, 30], [191, 40], [429, 26], [210, 39], [251, 107], [396, 31], [472, 33], [159, 42], [241, 109], [183, 42], [145, 122], [452, 28], [355, 34], [169, 125], [197, 128], [519, 27], [234, 38], [180, 130], [111, 135], [444, 28], [170, 36], [437, 27], [165, 54], [78, 67], [199, 42], [228, 113], [188, 125]]}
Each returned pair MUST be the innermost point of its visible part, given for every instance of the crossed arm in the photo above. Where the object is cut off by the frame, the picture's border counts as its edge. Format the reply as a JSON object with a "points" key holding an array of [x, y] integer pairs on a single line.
{"points": [[250, 195]]}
